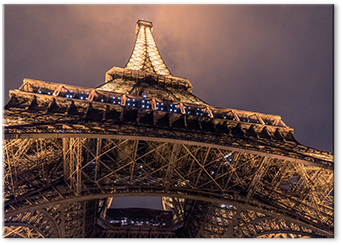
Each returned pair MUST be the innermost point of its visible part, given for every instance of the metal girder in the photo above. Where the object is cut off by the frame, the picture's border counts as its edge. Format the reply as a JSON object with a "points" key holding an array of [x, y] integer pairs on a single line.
{"points": [[239, 145]]}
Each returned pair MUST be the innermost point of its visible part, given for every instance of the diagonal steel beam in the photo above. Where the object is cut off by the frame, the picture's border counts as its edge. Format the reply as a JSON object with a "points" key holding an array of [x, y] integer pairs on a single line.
{"points": [[203, 168]]}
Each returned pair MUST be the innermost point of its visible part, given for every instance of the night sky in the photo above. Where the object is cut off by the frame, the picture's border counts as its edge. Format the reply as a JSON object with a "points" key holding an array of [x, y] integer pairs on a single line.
{"points": [[275, 59]]}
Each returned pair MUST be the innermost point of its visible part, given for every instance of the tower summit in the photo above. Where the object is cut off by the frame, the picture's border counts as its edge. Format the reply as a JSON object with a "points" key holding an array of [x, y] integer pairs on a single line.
{"points": [[145, 56]]}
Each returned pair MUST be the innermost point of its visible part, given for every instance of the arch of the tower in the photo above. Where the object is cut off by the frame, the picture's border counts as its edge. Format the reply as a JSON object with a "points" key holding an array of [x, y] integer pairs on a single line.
{"points": [[217, 221], [64, 175]]}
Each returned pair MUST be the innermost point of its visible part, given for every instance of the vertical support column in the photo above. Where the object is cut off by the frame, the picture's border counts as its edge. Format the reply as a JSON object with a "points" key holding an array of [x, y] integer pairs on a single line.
{"points": [[65, 143], [78, 165], [72, 163], [97, 158], [172, 164], [134, 156], [62, 217]]}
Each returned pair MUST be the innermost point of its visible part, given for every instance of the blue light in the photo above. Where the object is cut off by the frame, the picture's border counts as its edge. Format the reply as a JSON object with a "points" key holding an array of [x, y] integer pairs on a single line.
{"points": [[143, 106], [147, 107], [143, 101], [71, 96], [128, 104], [134, 104], [67, 96], [118, 102], [228, 155], [40, 92], [102, 100], [133, 99], [48, 92], [81, 98], [174, 110]]}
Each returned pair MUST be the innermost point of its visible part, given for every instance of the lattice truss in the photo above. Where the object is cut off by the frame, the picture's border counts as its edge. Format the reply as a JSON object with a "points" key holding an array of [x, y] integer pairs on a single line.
{"points": [[56, 187]]}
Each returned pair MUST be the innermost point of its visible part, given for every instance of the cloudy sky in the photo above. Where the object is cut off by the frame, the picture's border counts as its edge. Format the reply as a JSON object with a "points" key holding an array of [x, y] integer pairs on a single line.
{"points": [[275, 59]]}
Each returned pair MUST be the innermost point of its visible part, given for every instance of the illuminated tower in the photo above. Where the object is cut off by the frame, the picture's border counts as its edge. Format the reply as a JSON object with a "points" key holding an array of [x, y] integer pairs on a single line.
{"points": [[68, 150]]}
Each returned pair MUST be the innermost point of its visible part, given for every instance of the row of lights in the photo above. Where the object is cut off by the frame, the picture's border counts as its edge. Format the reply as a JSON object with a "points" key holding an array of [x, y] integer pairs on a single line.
{"points": [[224, 206], [146, 105], [124, 222]]}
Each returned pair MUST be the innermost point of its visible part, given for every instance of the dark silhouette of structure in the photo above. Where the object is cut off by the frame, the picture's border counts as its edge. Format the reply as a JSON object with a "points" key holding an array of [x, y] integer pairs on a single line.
{"points": [[68, 150]]}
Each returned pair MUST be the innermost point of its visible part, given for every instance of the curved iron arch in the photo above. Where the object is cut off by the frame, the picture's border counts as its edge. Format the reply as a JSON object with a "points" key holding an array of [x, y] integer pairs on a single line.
{"points": [[270, 213], [250, 195]]}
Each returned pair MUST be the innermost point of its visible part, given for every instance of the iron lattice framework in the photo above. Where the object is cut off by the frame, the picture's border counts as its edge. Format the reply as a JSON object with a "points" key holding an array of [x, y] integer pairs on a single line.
{"points": [[69, 150]]}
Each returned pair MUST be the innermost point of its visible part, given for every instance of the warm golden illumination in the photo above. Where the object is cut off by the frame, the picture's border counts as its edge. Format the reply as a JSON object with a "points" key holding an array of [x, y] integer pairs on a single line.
{"points": [[145, 55]]}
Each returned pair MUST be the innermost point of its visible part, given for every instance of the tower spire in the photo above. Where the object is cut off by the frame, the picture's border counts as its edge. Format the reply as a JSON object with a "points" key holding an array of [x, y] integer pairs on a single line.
{"points": [[145, 55]]}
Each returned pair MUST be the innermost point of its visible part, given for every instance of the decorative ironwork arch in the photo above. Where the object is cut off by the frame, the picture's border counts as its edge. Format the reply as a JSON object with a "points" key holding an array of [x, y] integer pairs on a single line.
{"points": [[21, 230]]}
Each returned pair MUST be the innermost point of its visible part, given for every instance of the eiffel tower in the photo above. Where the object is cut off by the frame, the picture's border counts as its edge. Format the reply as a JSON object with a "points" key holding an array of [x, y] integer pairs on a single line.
{"points": [[220, 172]]}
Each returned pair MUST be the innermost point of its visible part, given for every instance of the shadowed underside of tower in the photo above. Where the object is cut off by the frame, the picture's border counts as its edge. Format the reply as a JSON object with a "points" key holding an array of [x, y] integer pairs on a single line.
{"points": [[70, 150]]}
